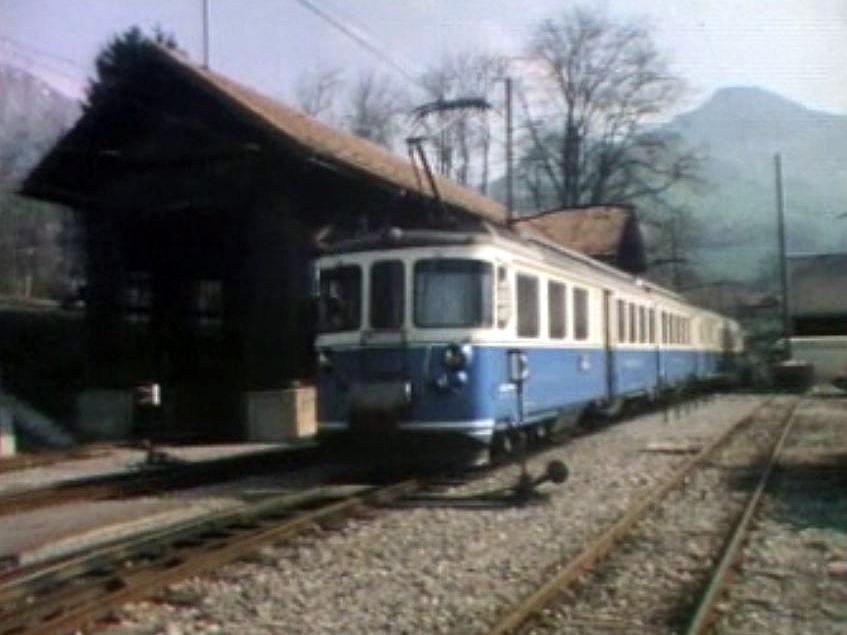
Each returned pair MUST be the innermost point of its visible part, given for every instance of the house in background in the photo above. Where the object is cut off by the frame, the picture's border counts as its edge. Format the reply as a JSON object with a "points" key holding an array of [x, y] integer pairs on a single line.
{"points": [[817, 292], [609, 233]]}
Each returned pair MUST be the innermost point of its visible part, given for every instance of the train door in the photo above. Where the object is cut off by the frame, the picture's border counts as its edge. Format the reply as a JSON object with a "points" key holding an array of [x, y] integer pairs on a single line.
{"points": [[608, 342]]}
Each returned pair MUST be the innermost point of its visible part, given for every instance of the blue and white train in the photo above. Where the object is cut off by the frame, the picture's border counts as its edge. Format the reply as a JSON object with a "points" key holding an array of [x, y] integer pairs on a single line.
{"points": [[419, 332]]}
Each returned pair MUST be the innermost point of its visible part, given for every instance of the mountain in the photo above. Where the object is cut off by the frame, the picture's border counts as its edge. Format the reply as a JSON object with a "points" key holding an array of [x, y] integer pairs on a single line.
{"points": [[32, 117], [738, 131]]}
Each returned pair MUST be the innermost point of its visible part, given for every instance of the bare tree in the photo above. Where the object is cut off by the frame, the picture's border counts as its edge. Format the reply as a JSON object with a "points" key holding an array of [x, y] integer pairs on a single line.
{"points": [[463, 136], [604, 84], [373, 107], [316, 92]]}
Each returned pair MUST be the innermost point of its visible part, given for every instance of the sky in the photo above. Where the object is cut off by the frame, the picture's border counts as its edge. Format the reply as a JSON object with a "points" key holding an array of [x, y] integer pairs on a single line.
{"points": [[796, 48]]}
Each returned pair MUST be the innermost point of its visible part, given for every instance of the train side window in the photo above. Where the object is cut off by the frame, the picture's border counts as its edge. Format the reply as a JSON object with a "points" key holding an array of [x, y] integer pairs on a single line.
{"points": [[621, 321], [504, 298], [557, 309], [580, 314], [664, 327], [651, 325], [527, 287], [633, 326], [642, 324]]}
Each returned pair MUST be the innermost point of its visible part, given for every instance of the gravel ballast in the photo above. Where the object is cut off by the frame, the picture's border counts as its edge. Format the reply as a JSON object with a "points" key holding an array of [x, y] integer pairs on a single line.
{"points": [[793, 574], [651, 582], [440, 567]]}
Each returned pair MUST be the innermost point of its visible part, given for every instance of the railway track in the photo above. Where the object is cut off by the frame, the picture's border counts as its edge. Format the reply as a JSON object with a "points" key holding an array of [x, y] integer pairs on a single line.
{"points": [[75, 593], [651, 571], [157, 478]]}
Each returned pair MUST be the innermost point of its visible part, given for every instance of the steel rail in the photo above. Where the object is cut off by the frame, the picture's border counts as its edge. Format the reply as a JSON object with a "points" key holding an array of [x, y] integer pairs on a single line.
{"points": [[704, 615], [156, 479], [606, 541], [108, 584]]}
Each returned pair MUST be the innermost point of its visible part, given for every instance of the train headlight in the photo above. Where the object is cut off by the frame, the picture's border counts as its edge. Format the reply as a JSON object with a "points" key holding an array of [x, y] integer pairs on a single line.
{"points": [[459, 379], [457, 356]]}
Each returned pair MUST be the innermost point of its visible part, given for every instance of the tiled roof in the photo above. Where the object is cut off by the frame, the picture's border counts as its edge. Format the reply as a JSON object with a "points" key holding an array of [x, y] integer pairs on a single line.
{"points": [[335, 145], [597, 231]]}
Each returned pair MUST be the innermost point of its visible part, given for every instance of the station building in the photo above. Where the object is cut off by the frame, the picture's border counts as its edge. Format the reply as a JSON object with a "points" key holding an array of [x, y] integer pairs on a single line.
{"points": [[202, 203], [818, 312]]}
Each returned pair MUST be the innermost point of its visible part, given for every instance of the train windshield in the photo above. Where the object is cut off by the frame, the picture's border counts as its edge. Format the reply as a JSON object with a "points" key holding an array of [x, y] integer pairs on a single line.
{"points": [[453, 292], [340, 299], [388, 295]]}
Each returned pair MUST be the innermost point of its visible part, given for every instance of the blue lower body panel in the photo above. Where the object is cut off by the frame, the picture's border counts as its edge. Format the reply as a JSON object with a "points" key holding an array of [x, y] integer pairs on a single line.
{"points": [[469, 402], [636, 371]]}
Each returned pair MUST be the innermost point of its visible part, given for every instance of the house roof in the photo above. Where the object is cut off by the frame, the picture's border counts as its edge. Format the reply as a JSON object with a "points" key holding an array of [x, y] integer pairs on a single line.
{"points": [[316, 140], [334, 145], [598, 231]]}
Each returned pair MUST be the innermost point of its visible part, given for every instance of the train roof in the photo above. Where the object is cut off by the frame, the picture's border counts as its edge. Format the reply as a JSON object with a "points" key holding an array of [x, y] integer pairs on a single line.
{"points": [[524, 239]]}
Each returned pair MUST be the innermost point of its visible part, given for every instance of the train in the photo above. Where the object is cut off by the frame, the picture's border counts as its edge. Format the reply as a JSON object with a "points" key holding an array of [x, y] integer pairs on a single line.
{"points": [[472, 339]]}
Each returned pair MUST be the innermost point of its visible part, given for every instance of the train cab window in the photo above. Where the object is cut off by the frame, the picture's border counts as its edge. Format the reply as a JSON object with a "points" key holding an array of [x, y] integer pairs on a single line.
{"points": [[651, 325], [642, 324], [504, 298], [388, 294], [580, 314], [527, 306], [621, 321], [340, 299], [557, 309], [453, 292]]}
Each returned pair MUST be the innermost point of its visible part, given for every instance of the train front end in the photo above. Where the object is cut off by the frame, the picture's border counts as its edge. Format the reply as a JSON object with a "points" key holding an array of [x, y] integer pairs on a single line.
{"points": [[399, 355]]}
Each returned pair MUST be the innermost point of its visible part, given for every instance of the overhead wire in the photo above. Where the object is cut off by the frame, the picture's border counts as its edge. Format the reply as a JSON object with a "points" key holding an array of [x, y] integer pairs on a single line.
{"points": [[361, 40]]}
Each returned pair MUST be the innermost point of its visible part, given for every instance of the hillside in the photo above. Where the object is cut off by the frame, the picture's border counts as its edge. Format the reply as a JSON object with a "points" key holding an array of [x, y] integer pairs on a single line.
{"points": [[738, 131]]}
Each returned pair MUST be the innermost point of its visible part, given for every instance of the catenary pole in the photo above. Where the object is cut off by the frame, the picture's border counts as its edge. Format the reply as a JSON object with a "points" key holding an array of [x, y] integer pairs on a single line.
{"points": [[510, 193], [207, 18]]}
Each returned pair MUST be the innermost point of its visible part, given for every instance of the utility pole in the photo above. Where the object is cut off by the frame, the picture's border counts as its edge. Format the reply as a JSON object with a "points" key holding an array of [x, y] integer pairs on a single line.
{"points": [[783, 270], [207, 18], [510, 194]]}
